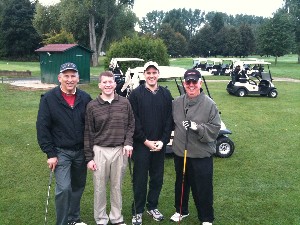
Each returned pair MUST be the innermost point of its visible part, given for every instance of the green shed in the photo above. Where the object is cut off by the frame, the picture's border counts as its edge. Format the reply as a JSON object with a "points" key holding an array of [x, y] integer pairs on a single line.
{"points": [[53, 55]]}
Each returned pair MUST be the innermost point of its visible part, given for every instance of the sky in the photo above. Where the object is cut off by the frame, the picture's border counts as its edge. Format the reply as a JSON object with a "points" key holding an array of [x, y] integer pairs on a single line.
{"points": [[263, 8]]}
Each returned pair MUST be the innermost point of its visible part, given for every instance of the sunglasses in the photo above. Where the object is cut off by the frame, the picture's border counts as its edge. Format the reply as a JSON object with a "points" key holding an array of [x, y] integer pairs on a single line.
{"points": [[188, 82]]}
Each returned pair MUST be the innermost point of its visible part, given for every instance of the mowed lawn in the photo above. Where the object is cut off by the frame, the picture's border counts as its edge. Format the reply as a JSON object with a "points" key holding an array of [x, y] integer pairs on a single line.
{"points": [[258, 185]]}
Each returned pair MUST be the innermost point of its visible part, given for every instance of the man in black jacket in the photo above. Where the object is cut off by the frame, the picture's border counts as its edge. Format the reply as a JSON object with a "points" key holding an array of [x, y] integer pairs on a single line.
{"points": [[152, 107], [60, 128]]}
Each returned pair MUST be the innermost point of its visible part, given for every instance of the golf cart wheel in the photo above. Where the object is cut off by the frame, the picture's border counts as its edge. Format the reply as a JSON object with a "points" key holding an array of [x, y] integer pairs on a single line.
{"points": [[241, 92], [225, 147], [273, 93]]}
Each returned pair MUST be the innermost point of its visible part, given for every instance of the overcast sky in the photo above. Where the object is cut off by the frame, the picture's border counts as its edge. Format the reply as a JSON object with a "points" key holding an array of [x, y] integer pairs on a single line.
{"points": [[250, 7]]}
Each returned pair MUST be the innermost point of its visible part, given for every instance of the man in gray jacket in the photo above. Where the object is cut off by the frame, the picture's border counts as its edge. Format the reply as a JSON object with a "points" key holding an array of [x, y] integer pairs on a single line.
{"points": [[197, 124]]}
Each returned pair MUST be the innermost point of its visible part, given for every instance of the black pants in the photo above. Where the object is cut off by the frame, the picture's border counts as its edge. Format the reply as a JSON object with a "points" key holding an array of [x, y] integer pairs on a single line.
{"points": [[199, 178], [147, 163]]}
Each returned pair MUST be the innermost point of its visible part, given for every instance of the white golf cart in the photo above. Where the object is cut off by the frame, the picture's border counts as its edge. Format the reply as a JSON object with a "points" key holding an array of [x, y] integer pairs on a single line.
{"points": [[253, 81]]}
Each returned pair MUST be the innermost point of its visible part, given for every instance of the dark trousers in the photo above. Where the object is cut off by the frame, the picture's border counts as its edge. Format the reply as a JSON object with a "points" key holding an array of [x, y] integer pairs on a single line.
{"points": [[70, 176], [198, 178], [147, 163]]}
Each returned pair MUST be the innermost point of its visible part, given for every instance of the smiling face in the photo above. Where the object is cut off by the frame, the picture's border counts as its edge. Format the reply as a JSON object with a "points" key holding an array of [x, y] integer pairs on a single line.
{"points": [[68, 81], [151, 77], [192, 88], [107, 85]]}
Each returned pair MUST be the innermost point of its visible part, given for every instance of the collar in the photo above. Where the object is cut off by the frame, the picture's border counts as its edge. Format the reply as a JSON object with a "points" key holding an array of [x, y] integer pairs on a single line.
{"points": [[101, 101], [153, 92], [68, 93]]}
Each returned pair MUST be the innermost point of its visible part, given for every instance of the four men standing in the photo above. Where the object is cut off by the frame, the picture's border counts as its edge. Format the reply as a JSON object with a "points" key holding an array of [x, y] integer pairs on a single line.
{"points": [[114, 127]]}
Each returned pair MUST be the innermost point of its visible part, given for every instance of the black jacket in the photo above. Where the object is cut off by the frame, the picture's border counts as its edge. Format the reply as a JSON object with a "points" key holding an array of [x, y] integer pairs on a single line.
{"points": [[59, 125], [153, 114]]}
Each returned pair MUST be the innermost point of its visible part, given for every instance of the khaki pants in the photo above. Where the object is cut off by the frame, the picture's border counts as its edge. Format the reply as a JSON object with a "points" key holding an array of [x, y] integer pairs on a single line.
{"points": [[111, 165]]}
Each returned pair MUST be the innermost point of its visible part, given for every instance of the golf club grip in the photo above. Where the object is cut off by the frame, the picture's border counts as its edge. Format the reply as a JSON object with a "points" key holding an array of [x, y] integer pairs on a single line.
{"points": [[184, 161]]}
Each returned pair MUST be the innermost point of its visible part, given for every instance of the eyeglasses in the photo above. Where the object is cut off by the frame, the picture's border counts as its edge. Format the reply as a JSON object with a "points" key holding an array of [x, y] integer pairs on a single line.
{"points": [[188, 82]]}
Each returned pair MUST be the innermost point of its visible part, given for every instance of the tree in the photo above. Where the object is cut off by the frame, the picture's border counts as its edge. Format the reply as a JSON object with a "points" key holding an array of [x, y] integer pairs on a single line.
{"points": [[200, 44], [59, 38], [17, 34], [293, 7], [152, 22], [247, 41], [175, 19], [46, 19], [175, 42], [277, 36], [93, 16]]}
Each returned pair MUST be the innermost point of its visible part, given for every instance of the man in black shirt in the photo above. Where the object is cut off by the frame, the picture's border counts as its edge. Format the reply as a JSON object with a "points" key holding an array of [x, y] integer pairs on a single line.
{"points": [[152, 107]]}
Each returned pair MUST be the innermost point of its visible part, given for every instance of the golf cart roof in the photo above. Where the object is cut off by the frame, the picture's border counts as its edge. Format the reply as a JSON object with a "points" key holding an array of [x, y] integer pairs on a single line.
{"points": [[242, 63], [126, 59], [165, 72]]}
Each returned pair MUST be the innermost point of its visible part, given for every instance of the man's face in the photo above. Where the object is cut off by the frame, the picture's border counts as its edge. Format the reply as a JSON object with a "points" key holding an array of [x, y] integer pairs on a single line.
{"points": [[151, 76], [107, 85], [68, 80], [192, 87]]}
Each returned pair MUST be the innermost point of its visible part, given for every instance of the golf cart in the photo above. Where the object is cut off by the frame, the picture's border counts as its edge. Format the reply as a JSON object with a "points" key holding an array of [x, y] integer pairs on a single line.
{"points": [[251, 82], [216, 65], [227, 66], [117, 65]]}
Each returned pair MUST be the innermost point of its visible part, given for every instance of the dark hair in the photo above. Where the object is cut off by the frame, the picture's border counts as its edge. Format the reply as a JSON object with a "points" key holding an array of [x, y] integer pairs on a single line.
{"points": [[106, 74]]}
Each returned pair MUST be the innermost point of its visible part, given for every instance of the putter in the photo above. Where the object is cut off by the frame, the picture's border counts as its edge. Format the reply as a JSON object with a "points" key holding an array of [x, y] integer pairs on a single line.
{"points": [[48, 196], [131, 176], [183, 175]]}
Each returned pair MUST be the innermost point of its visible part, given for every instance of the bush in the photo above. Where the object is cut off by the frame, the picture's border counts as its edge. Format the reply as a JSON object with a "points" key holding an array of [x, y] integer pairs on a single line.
{"points": [[145, 47]]}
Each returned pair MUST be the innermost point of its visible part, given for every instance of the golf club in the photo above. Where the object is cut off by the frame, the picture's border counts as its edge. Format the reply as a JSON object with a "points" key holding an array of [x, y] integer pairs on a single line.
{"points": [[183, 174], [48, 196], [131, 176]]}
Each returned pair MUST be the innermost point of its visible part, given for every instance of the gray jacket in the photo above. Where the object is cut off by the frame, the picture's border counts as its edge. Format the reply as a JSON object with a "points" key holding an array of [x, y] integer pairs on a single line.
{"points": [[203, 111]]}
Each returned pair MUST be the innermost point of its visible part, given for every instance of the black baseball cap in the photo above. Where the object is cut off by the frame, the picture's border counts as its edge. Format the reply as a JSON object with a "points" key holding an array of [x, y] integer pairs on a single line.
{"points": [[192, 74]]}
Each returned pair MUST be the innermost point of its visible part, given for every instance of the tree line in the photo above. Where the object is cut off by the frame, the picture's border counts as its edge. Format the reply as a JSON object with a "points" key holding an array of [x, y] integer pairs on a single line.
{"points": [[96, 24]]}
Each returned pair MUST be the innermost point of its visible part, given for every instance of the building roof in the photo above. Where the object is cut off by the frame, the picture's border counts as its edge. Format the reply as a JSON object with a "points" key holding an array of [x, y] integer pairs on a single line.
{"points": [[58, 48]]}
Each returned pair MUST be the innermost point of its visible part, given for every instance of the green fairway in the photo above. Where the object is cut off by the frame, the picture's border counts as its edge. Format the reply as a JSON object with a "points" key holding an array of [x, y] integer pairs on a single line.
{"points": [[258, 184]]}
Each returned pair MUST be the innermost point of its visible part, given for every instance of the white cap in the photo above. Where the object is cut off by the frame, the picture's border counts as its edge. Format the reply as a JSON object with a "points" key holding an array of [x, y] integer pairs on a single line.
{"points": [[151, 63]]}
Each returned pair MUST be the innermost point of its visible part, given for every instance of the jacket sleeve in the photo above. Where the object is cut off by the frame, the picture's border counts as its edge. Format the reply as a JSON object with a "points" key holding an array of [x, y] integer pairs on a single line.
{"points": [[209, 131], [89, 134], [169, 119], [43, 128], [139, 134]]}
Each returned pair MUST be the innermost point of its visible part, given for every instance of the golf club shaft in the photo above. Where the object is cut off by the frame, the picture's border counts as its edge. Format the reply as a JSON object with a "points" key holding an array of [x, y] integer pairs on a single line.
{"points": [[131, 176], [183, 175], [48, 196]]}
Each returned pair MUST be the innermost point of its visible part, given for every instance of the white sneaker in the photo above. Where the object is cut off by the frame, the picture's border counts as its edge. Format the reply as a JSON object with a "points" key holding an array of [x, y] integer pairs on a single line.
{"points": [[175, 217], [156, 215], [137, 220], [206, 223]]}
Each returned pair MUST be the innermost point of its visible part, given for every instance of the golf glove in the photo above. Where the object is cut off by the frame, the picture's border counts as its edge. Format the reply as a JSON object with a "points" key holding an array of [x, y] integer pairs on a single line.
{"points": [[189, 124]]}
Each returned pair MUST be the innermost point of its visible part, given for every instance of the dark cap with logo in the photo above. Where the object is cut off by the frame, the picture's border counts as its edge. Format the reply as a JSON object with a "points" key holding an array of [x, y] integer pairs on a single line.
{"points": [[68, 66], [192, 74]]}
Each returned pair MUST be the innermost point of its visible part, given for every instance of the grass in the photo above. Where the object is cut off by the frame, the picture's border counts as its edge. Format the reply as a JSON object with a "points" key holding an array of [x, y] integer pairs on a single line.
{"points": [[258, 184]]}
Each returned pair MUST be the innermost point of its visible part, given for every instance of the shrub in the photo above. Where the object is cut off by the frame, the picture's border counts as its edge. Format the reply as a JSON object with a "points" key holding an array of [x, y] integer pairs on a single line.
{"points": [[147, 48]]}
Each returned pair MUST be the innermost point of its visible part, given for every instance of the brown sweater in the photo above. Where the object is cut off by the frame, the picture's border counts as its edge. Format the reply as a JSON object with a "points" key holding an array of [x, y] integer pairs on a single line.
{"points": [[108, 124]]}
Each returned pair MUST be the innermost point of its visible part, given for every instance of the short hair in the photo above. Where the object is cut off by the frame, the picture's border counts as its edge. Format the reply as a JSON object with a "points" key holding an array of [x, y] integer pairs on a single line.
{"points": [[106, 74]]}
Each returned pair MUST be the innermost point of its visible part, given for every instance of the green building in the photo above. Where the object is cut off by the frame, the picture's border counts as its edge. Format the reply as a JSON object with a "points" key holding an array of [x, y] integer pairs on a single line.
{"points": [[53, 55]]}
